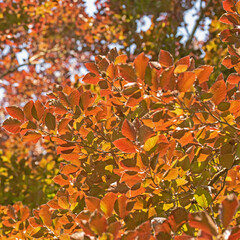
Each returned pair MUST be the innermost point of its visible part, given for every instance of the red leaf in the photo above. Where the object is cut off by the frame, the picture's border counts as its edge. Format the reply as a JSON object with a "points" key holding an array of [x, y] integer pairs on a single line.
{"points": [[235, 234], [203, 221], [229, 208], [167, 79], [165, 58], [32, 136], [177, 218], [140, 64], [144, 231], [128, 130], [185, 81], [25, 212], [125, 145], [230, 18], [12, 125], [15, 112], [229, 6], [219, 91], [122, 204], [87, 99], [91, 78]]}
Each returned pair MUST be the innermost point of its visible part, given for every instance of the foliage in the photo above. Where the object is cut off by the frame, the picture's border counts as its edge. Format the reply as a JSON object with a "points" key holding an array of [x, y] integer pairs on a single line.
{"points": [[147, 149]]}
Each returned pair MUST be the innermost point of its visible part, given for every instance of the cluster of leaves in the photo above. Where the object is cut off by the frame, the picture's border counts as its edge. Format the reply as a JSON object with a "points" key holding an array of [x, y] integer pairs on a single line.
{"points": [[148, 150]]}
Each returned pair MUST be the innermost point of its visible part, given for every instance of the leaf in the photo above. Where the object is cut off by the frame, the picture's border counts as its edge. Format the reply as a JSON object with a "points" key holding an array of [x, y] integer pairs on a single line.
{"points": [[98, 223], [92, 203], [186, 81], [127, 72], [140, 63], [45, 215], [219, 91], [203, 221], [60, 180], [150, 143], [39, 110], [229, 207], [15, 112], [128, 130], [50, 121], [122, 204], [28, 110], [63, 202], [165, 58], [74, 98], [171, 174], [167, 78], [38, 232], [235, 234], [107, 203], [230, 18], [203, 73], [229, 6], [32, 136], [233, 78], [125, 145], [25, 213], [12, 125], [91, 78], [68, 169], [203, 197], [144, 231], [177, 218]]}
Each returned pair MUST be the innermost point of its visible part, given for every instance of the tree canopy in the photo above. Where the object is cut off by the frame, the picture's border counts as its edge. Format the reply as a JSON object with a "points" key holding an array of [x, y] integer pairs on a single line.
{"points": [[136, 143]]}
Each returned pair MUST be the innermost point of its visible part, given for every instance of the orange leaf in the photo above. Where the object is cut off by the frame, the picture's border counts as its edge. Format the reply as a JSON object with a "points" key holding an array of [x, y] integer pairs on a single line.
{"points": [[92, 203], [107, 203], [128, 130], [69, 168], [228, 6], [32, 136], [12, 125], [140, 64], [229, 208], [74, 98], [39, 109], [45, 215], [28, 110], [185, 81], [219, 91], [233, 78], [203, 73], [63, 202], [91, 78], [165, 58], [98, 223], [15, 112], [60, 180], [122, 204], [167, 78], [125, 145]]}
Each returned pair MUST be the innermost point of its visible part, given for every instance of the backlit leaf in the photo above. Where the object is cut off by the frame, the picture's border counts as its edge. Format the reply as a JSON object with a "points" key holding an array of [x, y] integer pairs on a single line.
{"points": [[140, 63], [229, 207], [12, 125], [186, 81], [165, 58], [219, 91], [32, 136], [125, 145], [203, 197], [128, 130], [50, 121], [15, 112]]}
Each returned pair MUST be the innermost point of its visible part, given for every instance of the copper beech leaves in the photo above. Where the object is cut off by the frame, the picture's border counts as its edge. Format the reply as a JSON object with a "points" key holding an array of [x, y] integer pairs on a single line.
{"points": [[15, 112], [128, 130], [219, 91], [165, 58]]}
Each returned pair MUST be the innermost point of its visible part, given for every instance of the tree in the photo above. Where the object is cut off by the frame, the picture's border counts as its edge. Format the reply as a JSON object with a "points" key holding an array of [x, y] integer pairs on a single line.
{"points": [[146, 149]]}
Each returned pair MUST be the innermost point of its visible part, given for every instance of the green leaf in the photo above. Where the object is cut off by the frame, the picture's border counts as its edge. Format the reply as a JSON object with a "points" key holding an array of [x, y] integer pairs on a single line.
{"points": [[203, 197]]}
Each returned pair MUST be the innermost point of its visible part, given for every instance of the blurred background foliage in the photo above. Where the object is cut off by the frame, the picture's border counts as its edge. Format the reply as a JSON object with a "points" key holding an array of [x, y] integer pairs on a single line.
{"points": [[43, 43]]}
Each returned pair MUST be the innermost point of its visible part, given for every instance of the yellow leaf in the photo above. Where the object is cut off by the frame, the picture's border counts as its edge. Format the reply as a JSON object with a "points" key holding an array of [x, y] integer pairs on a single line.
{"points": [[181, 181], [150, 143], [172, 174]]}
